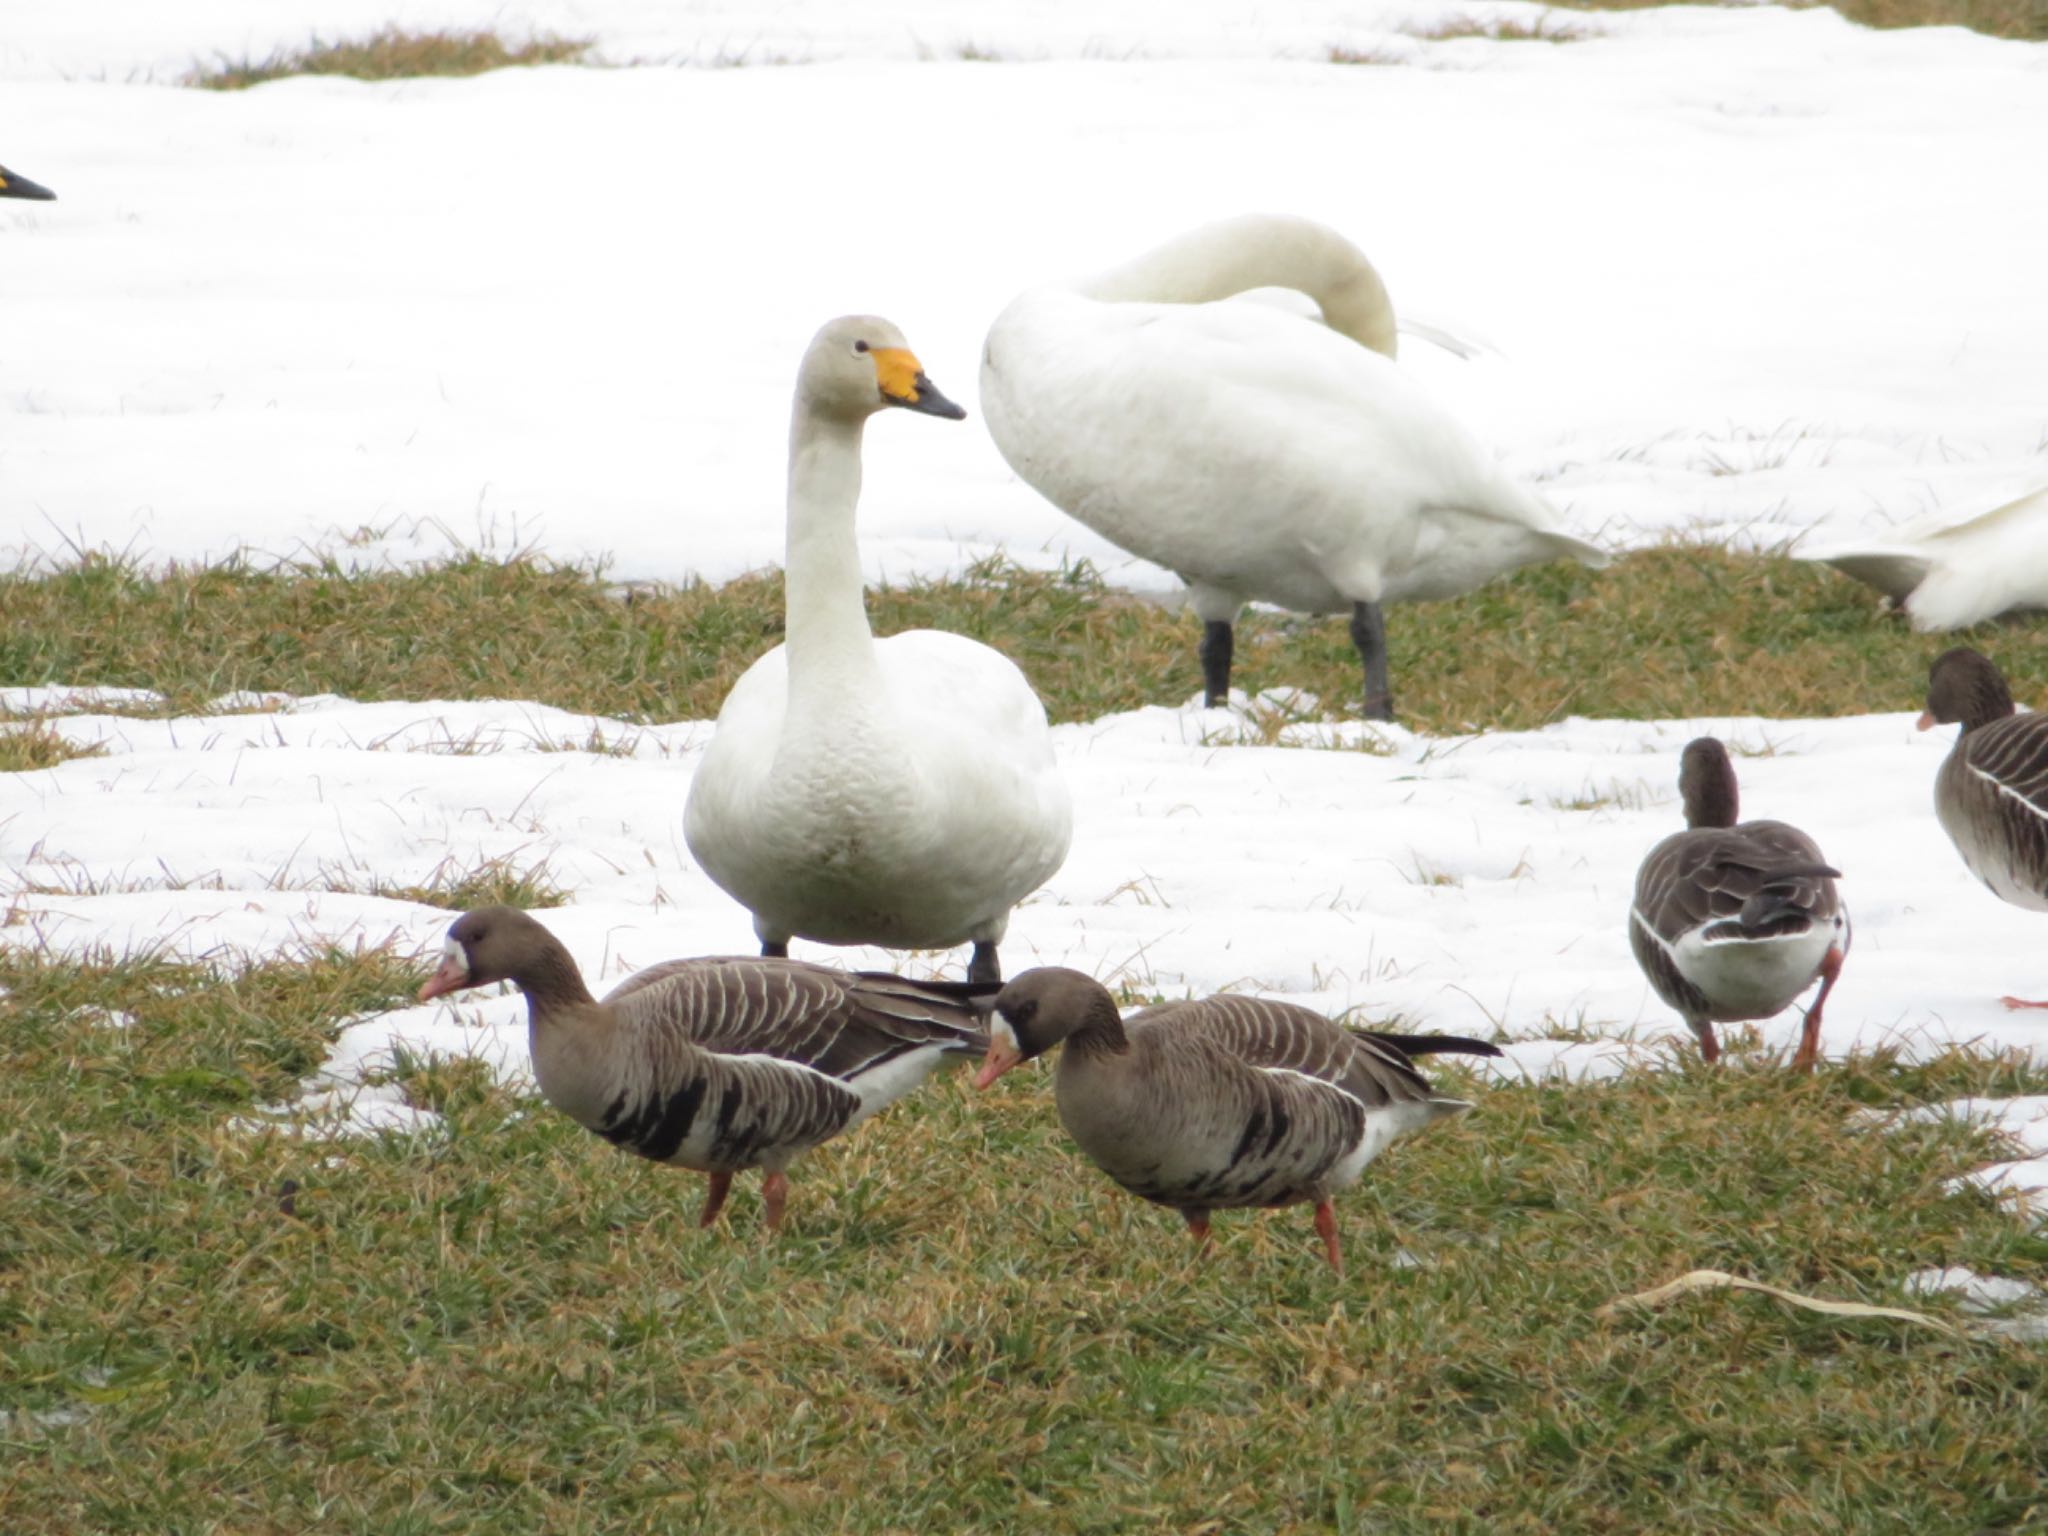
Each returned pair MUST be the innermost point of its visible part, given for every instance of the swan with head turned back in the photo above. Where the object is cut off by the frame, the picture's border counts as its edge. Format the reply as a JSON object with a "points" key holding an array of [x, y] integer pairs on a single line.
{"points": [[899, 792], [1258, 455]]}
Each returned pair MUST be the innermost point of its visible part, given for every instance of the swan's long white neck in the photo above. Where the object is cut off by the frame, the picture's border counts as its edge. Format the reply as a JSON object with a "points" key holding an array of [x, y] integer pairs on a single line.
{"points": [[1259, 251], [831, 649]]}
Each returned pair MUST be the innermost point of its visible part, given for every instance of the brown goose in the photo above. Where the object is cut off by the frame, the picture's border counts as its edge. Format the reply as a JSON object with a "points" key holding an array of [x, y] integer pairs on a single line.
{"points": [[1231, 1101], [1992, 792], [1733, 920], [713, 1064], [12, 185]]}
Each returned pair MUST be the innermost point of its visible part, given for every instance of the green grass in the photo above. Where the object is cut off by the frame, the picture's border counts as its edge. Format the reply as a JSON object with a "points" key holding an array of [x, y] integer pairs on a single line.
{"points": [[508, 1326], [502, 882], [35, 744], [392, 54], [1670, 632], [2000, 18]]}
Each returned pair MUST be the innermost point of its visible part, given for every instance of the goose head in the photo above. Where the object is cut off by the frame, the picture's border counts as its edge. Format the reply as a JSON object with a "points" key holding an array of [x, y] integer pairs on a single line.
{"points": [[1964, 685], [12, 185], [1038, 1010], [860, 364], [492, 944], [1706, 784]]}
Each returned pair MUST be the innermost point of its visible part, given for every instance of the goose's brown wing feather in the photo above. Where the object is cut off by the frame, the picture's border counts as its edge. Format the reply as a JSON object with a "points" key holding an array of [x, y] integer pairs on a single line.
{"points": [[1261, 1032], [1754, 876], [1749, 881], [1992, 796], [833, 1022]]}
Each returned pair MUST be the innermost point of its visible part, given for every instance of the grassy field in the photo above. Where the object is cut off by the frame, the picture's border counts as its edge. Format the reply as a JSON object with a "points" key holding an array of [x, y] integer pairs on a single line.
{"points": [[505, 1325], [508, 1326], [1686, 630]]}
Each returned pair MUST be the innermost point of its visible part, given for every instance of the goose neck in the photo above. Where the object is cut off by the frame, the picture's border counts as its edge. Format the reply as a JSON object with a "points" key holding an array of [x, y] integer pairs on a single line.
{"points": [[825, 612], [1101, 1031], [552, 985]]}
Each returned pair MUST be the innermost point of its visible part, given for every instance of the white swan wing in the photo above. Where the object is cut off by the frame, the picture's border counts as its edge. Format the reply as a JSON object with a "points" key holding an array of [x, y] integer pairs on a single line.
{"points": [[1950, 575]]}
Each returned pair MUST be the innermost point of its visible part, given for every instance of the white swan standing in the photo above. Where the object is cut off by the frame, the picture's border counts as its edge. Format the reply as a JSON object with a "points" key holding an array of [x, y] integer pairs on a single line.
{"points": [[899, 792], [1950, 575], [1257, 454]]}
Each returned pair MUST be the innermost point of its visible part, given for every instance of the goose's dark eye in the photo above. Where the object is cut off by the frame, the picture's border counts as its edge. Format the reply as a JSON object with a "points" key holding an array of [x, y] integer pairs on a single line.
{"points": [[860, 346]]}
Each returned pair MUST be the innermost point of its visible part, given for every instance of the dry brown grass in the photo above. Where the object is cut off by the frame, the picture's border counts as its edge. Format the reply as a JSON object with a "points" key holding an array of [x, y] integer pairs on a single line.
{"points": [[38, 744], [1666, 633], [393, 54], [2026, 19]]}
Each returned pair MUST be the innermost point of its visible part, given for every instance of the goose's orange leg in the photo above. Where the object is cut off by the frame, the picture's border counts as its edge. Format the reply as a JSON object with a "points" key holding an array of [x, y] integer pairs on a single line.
{"points": [[1809, 1039], [1326, 1225], [714, 1198], [775, 1194]]}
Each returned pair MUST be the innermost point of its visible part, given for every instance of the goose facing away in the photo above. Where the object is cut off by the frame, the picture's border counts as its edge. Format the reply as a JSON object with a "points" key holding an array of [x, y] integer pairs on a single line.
{"points": [[12, 185], [1950, 575], [713, 1064], [1991, 794], [899, 792], [1230, 1101], [1733, 920], [1256, 454]]}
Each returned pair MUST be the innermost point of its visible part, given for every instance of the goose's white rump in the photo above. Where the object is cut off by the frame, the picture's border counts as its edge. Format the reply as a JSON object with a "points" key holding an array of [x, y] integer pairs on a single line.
{"points": [[1256, 453], [898, 792]]}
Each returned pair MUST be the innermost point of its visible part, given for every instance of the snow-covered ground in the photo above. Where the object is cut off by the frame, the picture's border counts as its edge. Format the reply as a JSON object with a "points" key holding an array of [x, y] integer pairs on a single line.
{"points": [[1747, 272], [1462, 884]]}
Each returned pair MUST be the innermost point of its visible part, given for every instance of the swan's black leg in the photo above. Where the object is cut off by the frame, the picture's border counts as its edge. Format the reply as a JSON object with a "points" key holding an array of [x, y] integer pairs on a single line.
{"points": [[1217, 643], [1369, 634], [775, 949], [984, 966]]}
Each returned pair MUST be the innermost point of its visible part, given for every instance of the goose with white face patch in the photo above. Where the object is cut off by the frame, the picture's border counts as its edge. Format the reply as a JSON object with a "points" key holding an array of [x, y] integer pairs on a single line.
{"points": [[1258, 455], [899, 792], [1733, 920], [1226, 1102], [1991, 794], [714, 1064]]}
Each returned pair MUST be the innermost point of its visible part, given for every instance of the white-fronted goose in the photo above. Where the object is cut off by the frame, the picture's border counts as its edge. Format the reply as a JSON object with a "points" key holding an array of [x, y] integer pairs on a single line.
{"points": [[1992, 792], [899, 792], [1230, 1101], [12, 185], [713, 1064], [1259, 456], [1732, 921]]}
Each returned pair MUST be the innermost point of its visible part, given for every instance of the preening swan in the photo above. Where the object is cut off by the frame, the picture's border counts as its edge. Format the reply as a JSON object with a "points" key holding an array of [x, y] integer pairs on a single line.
{"points": [[1255, 453], [1950, 575], [898, 792], [12, 185]]}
